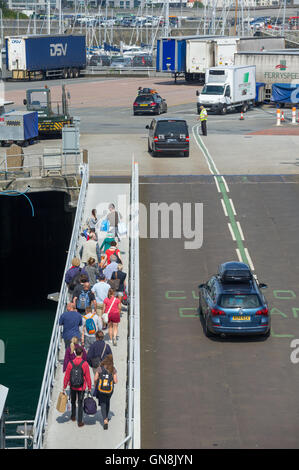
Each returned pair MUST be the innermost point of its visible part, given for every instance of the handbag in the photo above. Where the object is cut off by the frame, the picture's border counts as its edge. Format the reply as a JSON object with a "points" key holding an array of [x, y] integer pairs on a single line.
{"points": [[114, 283], [105, 316], [121, 228], [104, 227], [61, 402], [89, 405]]}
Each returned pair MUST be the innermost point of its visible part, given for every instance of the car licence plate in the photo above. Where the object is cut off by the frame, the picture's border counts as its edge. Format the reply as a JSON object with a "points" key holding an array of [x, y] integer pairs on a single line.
{"points": [[241, 318], [144, 105], [171, 140]]}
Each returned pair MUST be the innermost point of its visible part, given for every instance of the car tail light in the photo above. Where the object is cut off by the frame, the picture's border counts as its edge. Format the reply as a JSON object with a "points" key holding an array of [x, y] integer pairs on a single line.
{"points": [[187, 138], [135, 104], [156, 139], [152, 104], [215, 312], [263, 311]]}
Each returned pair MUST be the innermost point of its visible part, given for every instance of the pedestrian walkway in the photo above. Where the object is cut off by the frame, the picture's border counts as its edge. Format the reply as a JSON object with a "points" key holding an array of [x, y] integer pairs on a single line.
{"points": [[61, 432]]}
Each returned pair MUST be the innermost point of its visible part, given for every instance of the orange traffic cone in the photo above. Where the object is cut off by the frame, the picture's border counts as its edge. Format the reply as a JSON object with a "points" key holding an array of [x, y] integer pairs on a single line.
{"points": [[241, 117]]}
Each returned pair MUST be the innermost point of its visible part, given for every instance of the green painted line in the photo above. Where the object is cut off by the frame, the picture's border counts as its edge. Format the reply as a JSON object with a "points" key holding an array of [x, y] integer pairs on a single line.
{"points": [[226, 200], [182, 315]]}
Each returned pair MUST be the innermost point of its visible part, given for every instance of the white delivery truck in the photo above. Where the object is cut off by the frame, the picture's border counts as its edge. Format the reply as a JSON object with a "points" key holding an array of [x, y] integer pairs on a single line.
{"points": [[227, 88]]}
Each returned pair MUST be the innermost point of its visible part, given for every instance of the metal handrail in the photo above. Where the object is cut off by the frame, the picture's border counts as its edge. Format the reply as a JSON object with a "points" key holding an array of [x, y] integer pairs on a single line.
{"points": [[132, 439], [40, 420]]}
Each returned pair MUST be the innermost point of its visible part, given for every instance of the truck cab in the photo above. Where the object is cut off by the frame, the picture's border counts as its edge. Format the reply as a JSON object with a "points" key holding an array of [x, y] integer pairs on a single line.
{"points": [[215, 97], [227, 88]]}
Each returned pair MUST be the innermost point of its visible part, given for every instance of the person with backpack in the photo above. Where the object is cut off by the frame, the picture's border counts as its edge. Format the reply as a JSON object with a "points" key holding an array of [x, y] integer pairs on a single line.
{"points": [[98, 351], [113, 250], [104, 380], [77, 376], [83, 297], [91, 324]]}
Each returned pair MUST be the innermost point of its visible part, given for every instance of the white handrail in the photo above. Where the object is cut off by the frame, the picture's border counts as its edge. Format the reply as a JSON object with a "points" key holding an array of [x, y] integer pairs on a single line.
{"points": [[132, 439]]}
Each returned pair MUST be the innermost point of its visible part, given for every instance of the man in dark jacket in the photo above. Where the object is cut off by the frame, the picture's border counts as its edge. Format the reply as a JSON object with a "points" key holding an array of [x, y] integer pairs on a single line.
{"points": [[98, 351]]}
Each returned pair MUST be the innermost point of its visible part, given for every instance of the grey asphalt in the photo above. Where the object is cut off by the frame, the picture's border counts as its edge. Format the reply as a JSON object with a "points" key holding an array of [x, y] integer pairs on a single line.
{"points": [[232, 393]]}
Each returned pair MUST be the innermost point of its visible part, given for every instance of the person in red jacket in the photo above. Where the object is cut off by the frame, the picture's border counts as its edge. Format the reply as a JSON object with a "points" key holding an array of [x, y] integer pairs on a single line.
{"points": [[77, 375]]}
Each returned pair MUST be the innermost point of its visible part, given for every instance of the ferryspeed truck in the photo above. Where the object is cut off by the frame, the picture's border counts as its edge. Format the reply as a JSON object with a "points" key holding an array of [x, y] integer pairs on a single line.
{"points": [[228, 88], [47, 56]]}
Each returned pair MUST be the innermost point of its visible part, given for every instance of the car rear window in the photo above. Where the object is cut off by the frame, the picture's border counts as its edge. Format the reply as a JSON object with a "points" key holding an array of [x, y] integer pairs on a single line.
{"points": [[144, 99], [239, 300], [174, 127]]}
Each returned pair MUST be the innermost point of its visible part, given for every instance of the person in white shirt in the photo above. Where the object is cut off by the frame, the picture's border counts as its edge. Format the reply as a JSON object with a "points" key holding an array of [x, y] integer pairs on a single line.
{"points": [[100, 290]]}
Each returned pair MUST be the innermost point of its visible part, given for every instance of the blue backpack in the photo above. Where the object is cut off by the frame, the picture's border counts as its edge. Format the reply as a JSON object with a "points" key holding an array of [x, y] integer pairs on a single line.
{"points": [[90, 325], [83, 300]]}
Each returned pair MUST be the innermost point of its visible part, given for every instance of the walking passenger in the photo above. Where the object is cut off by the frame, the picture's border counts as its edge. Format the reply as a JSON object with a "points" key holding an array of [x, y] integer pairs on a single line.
{"points": [[98, 351], [83, 297], [113, 218], [107, 242], [92, 221], [121, 276], [113, 266], [112, 306], [77, 376], [113, 250], [72, 276], [89, 248], [70, 352], [100, 290], [92, 270], [104, 380], [91, 324], [71, 321]]}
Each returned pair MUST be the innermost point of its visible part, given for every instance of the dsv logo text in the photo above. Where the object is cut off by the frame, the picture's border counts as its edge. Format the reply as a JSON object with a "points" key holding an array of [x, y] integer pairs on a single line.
{"points": [[58, 49]]}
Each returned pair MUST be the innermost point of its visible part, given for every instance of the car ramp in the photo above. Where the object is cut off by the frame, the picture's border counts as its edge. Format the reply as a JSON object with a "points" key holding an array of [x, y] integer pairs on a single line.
{"points": [[54, 430]]}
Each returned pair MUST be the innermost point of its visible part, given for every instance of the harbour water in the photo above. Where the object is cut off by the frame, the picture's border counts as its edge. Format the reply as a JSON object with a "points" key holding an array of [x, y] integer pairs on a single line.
{"points": [[26, 334]]}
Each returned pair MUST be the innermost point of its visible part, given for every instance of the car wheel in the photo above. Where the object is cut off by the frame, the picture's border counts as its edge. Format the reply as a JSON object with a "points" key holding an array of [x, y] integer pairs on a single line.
{"points": [[165, 111], [207, 332], [186, 154], [148, 147]]}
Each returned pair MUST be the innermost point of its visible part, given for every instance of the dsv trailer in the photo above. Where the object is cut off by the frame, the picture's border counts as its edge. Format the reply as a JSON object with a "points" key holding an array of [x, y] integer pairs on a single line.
{"points": [[45, 56]]}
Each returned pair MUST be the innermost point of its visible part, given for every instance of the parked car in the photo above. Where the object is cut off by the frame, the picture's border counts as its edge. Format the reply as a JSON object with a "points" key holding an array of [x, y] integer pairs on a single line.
{"points": [[120, 61], [142, 61], [231, 302], [149, 103], [103, 60], [168, 136]]}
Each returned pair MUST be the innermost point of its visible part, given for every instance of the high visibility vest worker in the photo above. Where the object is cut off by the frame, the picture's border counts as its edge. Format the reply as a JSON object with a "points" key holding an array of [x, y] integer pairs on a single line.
{"points": [[203, 114]]}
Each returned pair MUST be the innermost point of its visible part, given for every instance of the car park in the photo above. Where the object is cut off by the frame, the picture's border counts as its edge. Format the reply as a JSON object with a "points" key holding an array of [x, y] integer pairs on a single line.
{"points": [[231, 302], [149, 103], [168, 136]]}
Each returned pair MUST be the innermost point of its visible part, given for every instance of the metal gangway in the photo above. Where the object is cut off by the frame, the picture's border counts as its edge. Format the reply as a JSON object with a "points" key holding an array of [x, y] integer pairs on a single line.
{"points": [[53, 430]]}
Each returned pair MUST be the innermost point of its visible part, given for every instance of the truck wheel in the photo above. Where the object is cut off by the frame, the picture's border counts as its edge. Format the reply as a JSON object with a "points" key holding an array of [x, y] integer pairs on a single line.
{"points": [[75, 73], [223, 110], [64, 74], [71, 73]]}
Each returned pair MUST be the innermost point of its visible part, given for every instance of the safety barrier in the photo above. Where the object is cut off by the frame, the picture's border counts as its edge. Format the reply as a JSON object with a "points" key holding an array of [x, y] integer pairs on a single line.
{"points": [[40, 420], [133, 439]]}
